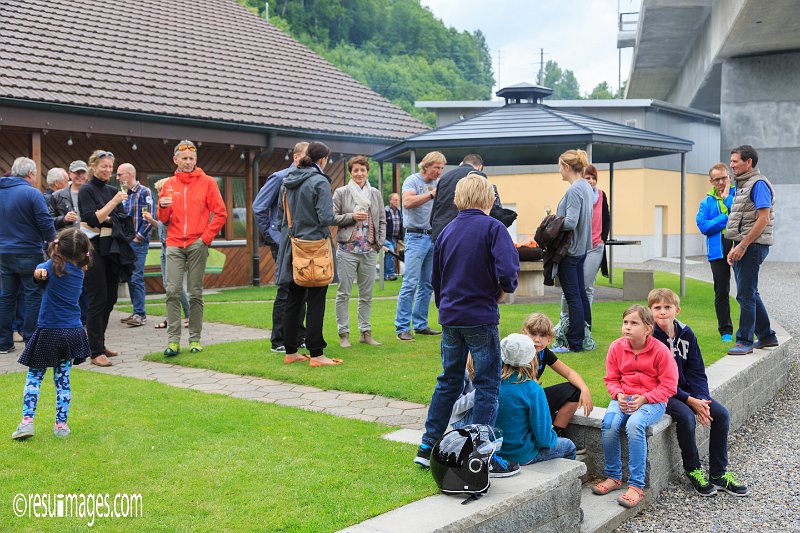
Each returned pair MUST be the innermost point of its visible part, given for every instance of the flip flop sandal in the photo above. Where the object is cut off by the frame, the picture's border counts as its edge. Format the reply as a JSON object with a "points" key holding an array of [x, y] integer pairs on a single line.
{"points": [[161, 325], [604, 487], [289, 360], [631, 501], [333, 362]]}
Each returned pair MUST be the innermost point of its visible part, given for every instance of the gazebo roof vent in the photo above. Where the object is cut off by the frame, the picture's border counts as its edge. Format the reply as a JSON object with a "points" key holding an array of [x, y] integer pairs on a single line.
{"points": [[524, 93]]}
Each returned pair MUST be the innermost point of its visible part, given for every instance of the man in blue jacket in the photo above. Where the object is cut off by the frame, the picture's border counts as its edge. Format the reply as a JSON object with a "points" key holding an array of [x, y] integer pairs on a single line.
{"points": [[711, 220], [266, 214], [27, 226]]}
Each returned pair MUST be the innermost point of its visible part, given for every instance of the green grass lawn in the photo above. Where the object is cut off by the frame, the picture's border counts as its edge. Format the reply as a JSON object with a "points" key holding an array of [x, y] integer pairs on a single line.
{"points": [[408, 370], [201, 462]]}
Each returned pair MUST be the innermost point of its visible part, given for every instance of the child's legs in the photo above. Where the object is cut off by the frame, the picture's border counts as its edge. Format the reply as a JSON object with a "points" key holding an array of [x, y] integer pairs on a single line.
{"points": [[30, 397], [613, 421], [685, 424], [448, 385], [718, 442], [636, 429], [484, 344], [63, 390], [562, 399], [564, 448]]}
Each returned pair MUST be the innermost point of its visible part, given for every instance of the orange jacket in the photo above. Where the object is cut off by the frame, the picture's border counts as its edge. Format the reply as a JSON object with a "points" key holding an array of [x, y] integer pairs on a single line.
{"points": [[195, 196]]}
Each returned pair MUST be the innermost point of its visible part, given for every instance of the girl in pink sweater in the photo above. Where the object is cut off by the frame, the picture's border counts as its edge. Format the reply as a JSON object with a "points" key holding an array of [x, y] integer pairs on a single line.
{"points": [[641, 375]]}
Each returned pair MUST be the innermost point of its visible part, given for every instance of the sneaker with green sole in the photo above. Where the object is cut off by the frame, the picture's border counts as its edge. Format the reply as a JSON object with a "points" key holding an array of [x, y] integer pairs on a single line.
{"points": [[700, 484], [173, 349], [194, 347], [730, 484]]}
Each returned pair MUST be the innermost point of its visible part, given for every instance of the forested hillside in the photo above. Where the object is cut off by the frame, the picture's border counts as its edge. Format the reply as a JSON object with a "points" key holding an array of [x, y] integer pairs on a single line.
{"points": [[396, 47]]}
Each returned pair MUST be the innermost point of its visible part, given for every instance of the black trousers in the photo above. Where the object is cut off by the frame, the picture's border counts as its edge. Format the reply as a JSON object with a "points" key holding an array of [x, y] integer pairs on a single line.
{"points": [[279, 310], [721, 271], [314, 298], [100, 285]]}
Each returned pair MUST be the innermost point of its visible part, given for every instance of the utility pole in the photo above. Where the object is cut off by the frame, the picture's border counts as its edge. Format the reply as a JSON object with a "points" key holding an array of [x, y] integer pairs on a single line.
{"points": [[541, 66], [498, 69]]}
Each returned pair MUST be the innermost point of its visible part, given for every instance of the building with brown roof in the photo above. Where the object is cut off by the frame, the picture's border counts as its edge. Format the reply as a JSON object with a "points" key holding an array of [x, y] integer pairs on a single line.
{"points": [[134, 77]]}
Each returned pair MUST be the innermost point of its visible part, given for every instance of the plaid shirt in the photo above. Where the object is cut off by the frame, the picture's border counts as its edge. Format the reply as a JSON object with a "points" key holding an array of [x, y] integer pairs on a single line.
{"points": [[395, 214], [139, 196]]}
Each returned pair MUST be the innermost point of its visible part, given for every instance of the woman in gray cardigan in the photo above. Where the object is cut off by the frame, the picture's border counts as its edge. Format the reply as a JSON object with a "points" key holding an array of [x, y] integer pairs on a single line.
{"points": [[358, 211], [307, 193]]}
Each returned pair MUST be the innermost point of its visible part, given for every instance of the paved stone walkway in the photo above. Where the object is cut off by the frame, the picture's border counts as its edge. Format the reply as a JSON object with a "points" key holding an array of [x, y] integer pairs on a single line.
{"points": [[134, 343]]}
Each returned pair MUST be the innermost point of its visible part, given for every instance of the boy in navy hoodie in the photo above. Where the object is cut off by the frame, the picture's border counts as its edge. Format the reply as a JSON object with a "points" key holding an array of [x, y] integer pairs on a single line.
{"points": [[693, 403], [474, 264]]}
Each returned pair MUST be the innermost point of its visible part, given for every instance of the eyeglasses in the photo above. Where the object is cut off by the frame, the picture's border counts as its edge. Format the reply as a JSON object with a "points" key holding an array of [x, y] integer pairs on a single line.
{"points": [[719, 180], [102, 153], [182, 147]]}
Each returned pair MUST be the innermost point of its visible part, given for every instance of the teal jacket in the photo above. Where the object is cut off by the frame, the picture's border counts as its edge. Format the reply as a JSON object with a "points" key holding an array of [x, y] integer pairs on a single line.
{"points": [[711, 221], [524, 418]]}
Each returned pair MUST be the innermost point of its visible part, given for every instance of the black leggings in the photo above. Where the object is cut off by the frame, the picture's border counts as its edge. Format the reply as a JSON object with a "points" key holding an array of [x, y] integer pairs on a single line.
{"points": [[314, 298]]}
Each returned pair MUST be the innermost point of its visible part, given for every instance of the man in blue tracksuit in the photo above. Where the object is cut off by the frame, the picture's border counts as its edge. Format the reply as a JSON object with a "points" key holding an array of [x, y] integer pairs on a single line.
{"points": [[265, 212], [27, 226], [711, 220]]}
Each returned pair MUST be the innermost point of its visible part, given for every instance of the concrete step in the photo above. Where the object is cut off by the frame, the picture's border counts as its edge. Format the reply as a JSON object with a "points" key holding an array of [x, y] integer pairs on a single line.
{"points": [[602, 514], [544, 497]]}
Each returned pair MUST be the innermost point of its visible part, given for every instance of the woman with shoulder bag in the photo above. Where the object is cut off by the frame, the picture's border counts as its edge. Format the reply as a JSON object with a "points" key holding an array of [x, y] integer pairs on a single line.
{"points": [[358, 211], [306, 210]]}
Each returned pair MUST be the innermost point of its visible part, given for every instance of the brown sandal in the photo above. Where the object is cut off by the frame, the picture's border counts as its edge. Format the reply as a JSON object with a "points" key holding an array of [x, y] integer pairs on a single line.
{"points": [[161, 325], [631, 500], [315, 363], [609, 485]]}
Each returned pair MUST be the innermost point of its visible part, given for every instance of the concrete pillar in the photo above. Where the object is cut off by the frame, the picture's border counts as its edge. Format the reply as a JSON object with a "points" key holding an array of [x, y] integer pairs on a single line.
{"points": [[760, 106]]}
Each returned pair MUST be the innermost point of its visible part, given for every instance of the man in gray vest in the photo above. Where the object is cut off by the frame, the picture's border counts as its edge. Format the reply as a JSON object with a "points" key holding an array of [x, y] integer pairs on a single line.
{"points": [[750, 227]]}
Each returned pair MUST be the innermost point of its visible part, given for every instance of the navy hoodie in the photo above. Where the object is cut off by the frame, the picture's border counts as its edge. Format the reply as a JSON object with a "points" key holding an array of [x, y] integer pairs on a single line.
{"points": [[473, 259], [692, 380], [26, 221]]}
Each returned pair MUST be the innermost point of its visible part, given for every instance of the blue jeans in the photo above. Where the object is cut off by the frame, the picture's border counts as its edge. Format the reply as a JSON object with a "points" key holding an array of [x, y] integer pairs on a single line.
{"points": [[19, 317], [484, 344], [636, 427], [570, 274], [564, 449], [753, 317], [16, 274], [685, 424], [136, 283], [416, 280], [388, 259]]}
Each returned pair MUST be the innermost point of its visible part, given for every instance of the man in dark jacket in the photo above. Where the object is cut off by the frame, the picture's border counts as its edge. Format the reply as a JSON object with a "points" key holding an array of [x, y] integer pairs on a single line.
{"points": [[394, 232], [26, 226], [444, 210], [268, 218]]}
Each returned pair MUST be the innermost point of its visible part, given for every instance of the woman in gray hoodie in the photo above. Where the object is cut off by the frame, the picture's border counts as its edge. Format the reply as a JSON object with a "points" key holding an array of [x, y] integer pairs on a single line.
{"points": [[308, 195]]}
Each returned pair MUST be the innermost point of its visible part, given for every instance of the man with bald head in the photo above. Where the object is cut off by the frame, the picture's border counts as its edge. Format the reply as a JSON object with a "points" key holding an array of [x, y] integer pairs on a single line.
{"points": [[139, 199]]}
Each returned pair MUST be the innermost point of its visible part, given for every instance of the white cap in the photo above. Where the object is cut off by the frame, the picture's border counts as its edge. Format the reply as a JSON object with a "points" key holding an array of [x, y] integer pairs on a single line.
{"points": [[517, 350]]}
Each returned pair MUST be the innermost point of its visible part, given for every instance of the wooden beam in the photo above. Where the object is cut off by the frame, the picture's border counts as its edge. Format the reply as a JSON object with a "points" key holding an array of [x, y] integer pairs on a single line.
{"points": [[249, 196], [36, 155]]}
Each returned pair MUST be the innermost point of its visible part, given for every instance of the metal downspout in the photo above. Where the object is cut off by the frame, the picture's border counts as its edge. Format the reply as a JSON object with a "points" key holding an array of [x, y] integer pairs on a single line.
{"points": [[266, 152]]}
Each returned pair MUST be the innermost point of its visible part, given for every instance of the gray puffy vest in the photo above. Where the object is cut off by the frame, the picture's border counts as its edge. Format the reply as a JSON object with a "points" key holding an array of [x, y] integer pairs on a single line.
{"points": [[743, 211]]}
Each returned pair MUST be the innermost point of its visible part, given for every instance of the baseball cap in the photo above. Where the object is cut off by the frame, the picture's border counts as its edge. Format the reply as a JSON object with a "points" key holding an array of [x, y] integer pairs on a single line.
{"points": [[517, 350], [77, 166]]}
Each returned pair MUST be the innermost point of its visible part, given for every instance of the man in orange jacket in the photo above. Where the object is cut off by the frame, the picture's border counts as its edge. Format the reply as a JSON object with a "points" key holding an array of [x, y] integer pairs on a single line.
{"points": [[192, 207]]}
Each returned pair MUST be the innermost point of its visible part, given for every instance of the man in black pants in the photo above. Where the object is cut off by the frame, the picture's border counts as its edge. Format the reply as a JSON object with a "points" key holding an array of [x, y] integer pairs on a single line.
{"points": [[265, 211]]}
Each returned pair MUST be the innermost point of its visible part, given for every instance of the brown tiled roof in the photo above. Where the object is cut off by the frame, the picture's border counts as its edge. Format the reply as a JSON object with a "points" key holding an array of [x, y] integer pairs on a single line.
{"points": [[200, 59]]}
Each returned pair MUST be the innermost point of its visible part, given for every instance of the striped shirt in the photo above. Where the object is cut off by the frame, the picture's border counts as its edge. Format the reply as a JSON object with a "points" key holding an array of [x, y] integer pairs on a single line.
{"points": [[138, 197]]}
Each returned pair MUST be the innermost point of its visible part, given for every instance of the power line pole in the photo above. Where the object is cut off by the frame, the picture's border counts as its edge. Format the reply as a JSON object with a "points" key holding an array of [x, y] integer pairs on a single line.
{"points": [[498, 69], [541, 67]]}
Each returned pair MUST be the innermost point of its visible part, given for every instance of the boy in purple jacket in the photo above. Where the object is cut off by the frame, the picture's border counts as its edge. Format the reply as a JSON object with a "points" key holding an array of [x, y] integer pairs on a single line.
{"points": [[693, 403], [475, 264]]}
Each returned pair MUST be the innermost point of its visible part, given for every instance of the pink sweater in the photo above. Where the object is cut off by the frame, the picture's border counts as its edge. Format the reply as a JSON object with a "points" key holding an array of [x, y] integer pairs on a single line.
{"points": [[652, 373]]}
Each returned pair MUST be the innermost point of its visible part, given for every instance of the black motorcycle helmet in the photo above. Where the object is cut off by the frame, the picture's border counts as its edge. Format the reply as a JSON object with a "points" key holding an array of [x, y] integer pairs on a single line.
{"points": [[460, 460]]}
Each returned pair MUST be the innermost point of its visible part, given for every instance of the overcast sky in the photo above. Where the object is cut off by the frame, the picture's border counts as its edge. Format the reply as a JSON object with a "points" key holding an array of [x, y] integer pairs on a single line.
{"points": [[581, 35]]}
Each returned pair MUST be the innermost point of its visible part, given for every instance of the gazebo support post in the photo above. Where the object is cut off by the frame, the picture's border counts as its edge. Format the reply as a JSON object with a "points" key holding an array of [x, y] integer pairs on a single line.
{"points": [[683, 224], [381, 253], [610, 249]]}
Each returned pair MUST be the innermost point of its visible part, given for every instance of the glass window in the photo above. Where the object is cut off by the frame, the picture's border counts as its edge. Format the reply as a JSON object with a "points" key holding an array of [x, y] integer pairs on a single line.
{"points": [[239, 216]]}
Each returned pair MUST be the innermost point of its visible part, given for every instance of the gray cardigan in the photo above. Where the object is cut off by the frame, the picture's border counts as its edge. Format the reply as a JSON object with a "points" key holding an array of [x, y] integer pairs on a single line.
{"points": [[344, 207], [576, 208], [308, 193]]}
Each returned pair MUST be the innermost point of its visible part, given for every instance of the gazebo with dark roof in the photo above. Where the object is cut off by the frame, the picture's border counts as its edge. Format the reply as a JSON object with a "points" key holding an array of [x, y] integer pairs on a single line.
{"points": [[525, 131]]}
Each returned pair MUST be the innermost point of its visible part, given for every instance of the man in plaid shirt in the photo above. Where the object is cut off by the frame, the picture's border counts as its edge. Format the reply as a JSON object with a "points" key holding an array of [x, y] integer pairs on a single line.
{"points": [[139, 199]]}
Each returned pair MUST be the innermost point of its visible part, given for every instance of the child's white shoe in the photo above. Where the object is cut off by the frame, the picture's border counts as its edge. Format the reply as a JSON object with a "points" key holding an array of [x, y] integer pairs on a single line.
{"points": [[61, 430], [24, 431]]}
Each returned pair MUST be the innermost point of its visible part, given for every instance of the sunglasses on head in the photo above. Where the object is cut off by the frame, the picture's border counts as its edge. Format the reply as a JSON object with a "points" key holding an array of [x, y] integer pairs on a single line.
{"points": [[102, 153], [182, 147]]}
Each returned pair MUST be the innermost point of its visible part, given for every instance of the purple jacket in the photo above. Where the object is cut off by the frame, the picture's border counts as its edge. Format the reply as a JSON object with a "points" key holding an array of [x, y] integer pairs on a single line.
{"points": [[473, 259]]}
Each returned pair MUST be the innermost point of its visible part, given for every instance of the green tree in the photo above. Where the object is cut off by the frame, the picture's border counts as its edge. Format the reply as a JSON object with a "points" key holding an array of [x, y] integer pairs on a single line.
{"points": [[563, 82], [601, 92]]}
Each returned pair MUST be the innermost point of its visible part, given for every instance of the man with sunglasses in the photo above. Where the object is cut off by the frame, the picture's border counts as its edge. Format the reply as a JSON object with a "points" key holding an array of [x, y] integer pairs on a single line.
{"points": [[192, 206], [711, 220]]}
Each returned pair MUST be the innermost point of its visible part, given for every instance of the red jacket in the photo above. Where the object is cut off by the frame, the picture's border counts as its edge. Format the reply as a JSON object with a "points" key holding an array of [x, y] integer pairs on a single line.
{"points": [[195, 196], [652, 373]]}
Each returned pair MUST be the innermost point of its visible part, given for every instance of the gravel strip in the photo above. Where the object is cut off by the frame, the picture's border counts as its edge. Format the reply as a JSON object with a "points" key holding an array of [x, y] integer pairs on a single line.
{"points": [[764, 453]]}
